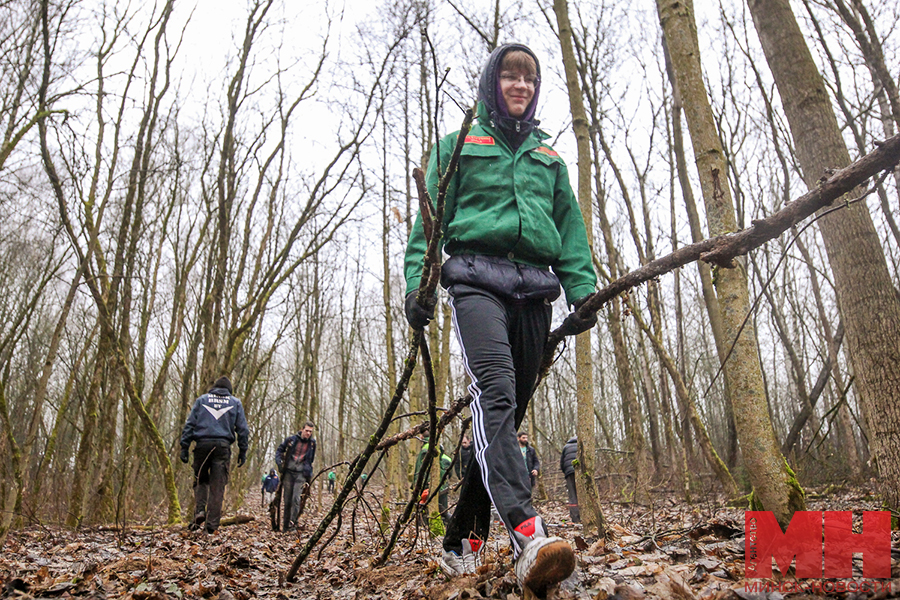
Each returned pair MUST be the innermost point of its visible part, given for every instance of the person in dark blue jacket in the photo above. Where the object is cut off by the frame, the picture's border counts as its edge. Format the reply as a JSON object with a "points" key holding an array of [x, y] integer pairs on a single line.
{"points": [[269, 485], [294, 457], [216, 419]]}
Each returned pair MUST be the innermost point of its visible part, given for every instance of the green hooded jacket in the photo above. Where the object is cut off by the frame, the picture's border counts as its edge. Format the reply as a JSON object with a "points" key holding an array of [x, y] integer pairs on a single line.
{"points": [[510, 203], [446, 461]]}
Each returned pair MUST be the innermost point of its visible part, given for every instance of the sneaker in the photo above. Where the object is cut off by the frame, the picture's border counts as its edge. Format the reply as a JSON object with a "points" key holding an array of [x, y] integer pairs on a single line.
{"points": [[453, 564], [544, 561]]}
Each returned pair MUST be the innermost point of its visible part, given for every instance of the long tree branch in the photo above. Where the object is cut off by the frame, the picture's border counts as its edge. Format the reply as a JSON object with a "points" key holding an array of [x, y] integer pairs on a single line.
{"points": [[427, 287], [721, 250]]}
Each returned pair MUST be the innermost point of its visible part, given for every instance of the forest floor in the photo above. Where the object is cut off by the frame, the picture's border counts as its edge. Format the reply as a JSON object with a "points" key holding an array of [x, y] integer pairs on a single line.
{"points": [[670, 550]]}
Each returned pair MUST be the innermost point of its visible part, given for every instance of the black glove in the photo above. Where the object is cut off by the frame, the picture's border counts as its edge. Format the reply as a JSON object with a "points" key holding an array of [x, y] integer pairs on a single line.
{"points": [[242, 458], [573, 325], [417, 315], [184, 454]]}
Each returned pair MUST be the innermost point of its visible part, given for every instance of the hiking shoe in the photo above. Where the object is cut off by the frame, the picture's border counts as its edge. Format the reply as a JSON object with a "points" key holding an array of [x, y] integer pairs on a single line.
{"points": [[544, 561], [199, 518], [453, 564]]}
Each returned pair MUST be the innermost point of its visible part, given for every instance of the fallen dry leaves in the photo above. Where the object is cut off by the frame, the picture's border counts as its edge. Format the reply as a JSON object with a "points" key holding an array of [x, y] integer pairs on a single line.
{"points": [[671, 550]]}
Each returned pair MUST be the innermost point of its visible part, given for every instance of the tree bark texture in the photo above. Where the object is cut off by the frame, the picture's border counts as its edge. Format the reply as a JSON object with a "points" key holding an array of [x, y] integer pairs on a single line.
{"points": [[706, 282], [591, 513]]}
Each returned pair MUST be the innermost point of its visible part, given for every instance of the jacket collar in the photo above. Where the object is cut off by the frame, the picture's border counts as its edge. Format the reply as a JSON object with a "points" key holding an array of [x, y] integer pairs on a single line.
{"points": [[488, 125]]}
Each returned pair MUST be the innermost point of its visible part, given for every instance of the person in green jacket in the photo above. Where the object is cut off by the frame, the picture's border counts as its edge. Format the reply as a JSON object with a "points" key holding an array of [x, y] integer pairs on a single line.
{"points": [[444, 491], [514, 232]]}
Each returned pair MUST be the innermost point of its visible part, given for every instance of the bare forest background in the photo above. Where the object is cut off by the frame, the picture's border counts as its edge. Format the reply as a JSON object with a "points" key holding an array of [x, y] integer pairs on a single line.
{"points": [[175, 210]]}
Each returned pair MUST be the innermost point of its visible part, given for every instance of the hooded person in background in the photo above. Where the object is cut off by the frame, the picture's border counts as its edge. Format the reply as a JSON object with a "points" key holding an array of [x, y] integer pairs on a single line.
{"points": [[295, 456], [514, 233], [570, 454], [215, 420], [269, 485]]}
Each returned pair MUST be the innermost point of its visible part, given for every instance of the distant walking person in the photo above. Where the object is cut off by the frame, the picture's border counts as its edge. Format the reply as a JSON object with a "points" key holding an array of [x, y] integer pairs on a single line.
{"points": [[295, 457], [331, 479], [444, 490], [529, 455], [269, 485], [215, 420], [465, 455], [570, 454]]}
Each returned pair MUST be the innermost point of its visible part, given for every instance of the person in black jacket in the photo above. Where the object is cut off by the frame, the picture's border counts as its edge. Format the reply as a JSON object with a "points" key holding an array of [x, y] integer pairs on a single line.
{"points": [[295, 457], [215, 420], [569, 454], [532, 464]]}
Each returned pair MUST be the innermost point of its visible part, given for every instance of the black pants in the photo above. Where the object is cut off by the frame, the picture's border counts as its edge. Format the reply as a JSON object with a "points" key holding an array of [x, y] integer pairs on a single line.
{"points": [[291, 491], [211, 462], [574, 512], [502, 343]]}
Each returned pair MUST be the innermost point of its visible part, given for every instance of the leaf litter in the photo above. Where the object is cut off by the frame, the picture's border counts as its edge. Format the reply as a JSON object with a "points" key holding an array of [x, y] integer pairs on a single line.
{"points": [[671, 550]]}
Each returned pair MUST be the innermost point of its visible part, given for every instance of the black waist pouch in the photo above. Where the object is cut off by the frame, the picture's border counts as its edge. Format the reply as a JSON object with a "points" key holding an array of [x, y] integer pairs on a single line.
{"points": [[500, 276]]}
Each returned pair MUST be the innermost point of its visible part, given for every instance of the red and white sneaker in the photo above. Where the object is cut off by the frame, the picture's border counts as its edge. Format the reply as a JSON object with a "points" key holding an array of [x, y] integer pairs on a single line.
{"points": [[544, 561]]}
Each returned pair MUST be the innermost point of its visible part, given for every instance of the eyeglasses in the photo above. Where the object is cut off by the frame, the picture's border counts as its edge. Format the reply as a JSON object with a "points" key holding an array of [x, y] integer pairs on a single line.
{"points": [[509, 77]]}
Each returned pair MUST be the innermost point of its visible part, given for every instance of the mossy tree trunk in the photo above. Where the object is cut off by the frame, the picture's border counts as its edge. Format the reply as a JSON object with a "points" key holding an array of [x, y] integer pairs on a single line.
{"points": [[866, 296], [776, 488]]}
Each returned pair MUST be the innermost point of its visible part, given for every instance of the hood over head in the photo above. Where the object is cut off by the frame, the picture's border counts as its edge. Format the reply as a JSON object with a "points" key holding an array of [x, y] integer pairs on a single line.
{"points": [[489, 92], [223, 383]]}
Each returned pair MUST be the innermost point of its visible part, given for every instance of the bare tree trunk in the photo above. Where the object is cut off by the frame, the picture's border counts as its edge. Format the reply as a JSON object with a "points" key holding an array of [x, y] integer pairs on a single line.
{"points": [[866, 295], [631, 408], [682, 427], [687, 402], [775, 487], [589, 503], [706, 283], [392, 485]]}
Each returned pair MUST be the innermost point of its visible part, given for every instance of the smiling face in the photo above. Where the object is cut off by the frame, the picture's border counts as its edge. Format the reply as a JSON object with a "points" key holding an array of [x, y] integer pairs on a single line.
{"points": [[518, 90], [518, 80]]}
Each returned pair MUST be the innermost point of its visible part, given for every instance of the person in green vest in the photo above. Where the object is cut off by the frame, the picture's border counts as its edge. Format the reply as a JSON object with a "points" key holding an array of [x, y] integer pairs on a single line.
{"points": [[331, 479], [444, 492]]}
